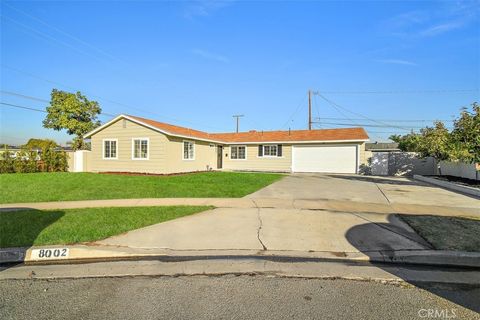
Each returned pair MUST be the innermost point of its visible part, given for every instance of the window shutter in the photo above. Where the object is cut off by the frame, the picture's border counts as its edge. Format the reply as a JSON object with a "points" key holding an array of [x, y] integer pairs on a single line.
{"points": [[279, 150], [260, 151]]}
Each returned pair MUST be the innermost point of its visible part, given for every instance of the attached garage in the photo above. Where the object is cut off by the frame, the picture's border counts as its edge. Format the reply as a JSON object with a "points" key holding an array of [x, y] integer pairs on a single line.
{"points": [[325, 158]]}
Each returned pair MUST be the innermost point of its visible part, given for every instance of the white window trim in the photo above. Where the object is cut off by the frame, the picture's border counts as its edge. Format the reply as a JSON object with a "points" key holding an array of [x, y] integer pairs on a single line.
{"points": [[269, 156], [103, 148], [148, 148], [183, 151], [238, 145]]}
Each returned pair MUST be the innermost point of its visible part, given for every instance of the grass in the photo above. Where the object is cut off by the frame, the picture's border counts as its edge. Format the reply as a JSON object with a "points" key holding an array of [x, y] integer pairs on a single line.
{"points": [[447, 233], [43, 227], [62, 186]]}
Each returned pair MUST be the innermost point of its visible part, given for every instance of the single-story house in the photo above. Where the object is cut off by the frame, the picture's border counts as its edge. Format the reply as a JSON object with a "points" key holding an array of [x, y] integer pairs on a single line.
{"points": [[133, 144]]}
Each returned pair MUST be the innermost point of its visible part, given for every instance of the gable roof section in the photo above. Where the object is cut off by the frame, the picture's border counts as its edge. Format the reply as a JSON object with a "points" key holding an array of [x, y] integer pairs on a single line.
{"points": [[323, 135], [174, 130]]}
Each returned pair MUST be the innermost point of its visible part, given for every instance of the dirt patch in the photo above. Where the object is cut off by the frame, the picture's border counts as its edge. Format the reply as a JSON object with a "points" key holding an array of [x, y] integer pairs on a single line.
{"points": [[447, 233], [459, 181]]}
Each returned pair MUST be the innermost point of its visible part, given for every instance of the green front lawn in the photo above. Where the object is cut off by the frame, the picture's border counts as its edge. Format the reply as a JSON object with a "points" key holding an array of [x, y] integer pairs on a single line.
{"points": [[447, 233], [59, 186], [43, 227]]}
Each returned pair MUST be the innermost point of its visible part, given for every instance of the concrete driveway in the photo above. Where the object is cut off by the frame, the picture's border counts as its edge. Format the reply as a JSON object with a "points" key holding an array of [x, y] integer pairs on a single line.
{"points": [[287, 228], [365, 189]]}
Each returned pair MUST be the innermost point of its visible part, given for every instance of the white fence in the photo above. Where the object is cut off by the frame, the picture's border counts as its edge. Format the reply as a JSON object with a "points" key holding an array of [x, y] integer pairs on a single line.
{"points": [[459, 169], [79, 161], [401, 164]]}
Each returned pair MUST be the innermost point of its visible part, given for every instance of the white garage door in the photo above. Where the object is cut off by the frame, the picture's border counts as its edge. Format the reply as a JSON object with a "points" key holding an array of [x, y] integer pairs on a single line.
{"points": [[332, 159]]}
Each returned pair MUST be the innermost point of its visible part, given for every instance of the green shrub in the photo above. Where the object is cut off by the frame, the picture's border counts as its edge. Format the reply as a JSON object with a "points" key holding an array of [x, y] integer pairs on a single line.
{"points": [[54, 160], [7, 162], [28, 160]]}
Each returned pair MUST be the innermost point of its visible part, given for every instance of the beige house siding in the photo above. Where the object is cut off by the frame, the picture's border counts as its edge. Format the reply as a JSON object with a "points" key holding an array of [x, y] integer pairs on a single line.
{"points": [[205, 156], [255, 163], [157, 149], [165, 153], [363, 154]]}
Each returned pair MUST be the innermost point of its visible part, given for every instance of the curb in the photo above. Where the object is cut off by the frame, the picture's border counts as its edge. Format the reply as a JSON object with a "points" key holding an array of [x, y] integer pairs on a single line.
{"points": [[85, 254], [449, 185]]}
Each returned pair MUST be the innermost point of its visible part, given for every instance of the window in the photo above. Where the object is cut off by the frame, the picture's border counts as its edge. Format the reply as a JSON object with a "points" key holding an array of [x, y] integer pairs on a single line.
{"points": [[188, 150], [110, 149], [270, 150], [140, 149], [238, 152]]}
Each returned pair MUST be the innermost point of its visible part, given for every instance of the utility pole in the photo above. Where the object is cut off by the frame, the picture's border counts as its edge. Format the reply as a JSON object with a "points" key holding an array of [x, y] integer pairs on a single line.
{"points": [[309, 109], [238, 116]]}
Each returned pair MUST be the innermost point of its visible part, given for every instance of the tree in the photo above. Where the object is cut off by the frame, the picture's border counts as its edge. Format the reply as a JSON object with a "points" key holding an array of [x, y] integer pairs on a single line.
{"points": [[74, 113], [435, 141], [408, 142], [40, 144], [466, 134], [461, 144]]}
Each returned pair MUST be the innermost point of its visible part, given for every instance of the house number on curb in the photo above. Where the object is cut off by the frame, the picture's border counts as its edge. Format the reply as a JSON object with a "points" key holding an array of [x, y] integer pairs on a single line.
{"points": [[57, 253]]}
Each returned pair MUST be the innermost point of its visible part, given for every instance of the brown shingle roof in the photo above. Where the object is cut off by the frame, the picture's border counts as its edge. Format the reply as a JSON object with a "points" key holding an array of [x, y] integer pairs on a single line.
{"points": [[262, 136], [294, 135], [170, 128]]}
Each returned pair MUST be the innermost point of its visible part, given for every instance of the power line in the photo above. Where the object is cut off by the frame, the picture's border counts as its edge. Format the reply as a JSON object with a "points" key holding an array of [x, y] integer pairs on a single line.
{"points": [[40, 99], [64, 33], [104, 99], [40, 110], [342, 113], [369, 125], [46, 36], [23, 96], [295, 112], [22, 107], [405, 91], [394, 120], [357, 113]]}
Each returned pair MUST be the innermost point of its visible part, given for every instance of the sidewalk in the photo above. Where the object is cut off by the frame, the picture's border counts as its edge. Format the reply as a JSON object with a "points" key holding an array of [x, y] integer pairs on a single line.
{"points": [[332, 205]]}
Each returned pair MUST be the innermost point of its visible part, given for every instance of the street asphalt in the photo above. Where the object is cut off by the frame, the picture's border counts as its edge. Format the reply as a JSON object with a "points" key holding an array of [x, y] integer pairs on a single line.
{"points": [[230, 297]]}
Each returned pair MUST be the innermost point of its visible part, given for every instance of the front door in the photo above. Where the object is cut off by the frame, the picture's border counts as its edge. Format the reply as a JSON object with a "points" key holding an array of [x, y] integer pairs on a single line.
{"points": [[219, 157]]}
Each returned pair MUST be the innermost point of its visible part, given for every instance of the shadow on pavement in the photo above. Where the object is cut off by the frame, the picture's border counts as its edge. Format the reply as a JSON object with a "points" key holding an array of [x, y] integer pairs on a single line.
{"points": [[19, 229], [400, 182], [363, 237]]}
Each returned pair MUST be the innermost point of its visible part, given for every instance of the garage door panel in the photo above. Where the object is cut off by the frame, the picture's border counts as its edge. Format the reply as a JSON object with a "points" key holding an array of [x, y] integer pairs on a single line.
{"points": [[329, 159]]}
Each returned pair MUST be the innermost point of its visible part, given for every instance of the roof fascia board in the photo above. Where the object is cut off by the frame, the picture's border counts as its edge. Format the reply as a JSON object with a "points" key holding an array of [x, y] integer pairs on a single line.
{"points": [[298, 141]]}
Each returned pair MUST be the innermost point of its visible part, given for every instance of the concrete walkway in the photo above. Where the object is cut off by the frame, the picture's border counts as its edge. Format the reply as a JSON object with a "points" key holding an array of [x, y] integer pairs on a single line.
{"points": [[275, 229], [255, 202], [306, 213], [364, 189]]}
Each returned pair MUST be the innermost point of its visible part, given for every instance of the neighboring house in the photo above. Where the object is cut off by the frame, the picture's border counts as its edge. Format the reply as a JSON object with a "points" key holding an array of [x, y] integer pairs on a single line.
{"points": [[372, 148], [382, 147], [133, 144]]}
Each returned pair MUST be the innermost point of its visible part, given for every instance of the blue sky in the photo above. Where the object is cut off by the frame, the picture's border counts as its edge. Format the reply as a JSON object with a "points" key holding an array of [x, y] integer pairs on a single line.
{"points": [[197, 63]]}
